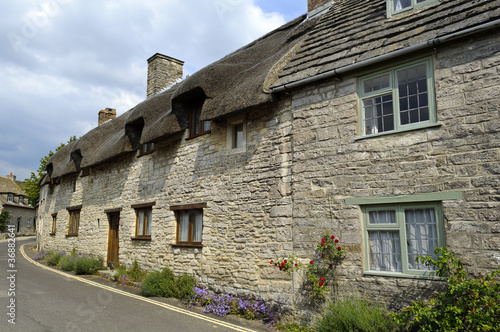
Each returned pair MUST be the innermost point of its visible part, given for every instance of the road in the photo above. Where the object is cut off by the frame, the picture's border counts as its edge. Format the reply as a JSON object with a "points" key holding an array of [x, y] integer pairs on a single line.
{"points": [[37, 298]]}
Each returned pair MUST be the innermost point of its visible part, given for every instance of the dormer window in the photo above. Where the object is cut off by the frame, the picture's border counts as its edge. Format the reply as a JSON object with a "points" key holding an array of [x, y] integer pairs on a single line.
{"points": [[10, 198], [395, 7], [196, 126], [21, 200]]}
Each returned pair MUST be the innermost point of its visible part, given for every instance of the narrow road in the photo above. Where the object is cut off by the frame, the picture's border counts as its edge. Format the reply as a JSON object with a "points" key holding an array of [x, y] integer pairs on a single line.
{"points": [[36, 298]]}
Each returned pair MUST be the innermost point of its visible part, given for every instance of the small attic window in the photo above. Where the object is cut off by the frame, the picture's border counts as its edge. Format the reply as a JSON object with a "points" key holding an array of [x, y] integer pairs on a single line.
{"points": [[133, 130], [396, 7], [146, 148]]}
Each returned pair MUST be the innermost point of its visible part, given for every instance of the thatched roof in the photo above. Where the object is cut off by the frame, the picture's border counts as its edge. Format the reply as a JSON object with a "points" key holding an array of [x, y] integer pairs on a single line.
{"points": [[236, 82], [349, 32]]}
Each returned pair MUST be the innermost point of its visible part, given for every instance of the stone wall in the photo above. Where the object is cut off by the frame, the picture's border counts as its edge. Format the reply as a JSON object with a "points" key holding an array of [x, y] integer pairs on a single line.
{"points": [[462, 154], [247, 221], [24, 213]]}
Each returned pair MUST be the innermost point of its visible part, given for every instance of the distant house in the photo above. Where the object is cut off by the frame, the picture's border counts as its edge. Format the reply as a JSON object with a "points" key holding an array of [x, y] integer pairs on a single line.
{"points": [[377, 120], [13, 200]]}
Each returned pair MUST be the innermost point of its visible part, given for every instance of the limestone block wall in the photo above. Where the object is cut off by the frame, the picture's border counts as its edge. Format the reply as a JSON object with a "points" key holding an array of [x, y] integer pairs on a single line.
{"points": [[246, 223], [462, 154], [25, 214]]}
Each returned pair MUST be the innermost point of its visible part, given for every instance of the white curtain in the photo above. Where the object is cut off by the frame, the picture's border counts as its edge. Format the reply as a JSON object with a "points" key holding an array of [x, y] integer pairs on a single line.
{"points": [[197, 227], [184, 227], [148, 226], [421, 234], [385, 251], [140, 230]]}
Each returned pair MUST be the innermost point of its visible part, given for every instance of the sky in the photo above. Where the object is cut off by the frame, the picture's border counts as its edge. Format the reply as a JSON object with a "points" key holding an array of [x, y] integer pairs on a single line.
{"points": [[61, 61]]}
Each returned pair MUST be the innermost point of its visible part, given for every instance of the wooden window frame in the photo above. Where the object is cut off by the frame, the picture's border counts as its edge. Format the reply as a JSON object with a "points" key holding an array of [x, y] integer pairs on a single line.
{"points": [[392, 90], [85, 171], [414, 6], [147, 209], [74, 220], [54, 224], [191, 210]]}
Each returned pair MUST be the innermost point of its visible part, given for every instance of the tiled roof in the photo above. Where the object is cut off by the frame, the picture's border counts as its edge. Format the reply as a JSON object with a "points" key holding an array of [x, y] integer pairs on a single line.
{"points": [[357, 30], [9, 186]]}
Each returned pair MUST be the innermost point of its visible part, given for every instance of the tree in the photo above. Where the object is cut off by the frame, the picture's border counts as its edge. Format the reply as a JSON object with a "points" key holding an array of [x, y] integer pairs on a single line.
{"points": [[4, 220], [32, 187]]}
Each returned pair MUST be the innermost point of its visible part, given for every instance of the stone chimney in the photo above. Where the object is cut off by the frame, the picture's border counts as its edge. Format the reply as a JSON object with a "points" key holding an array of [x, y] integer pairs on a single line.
{"points": [[163, 71], [106, 115], [11, 177], [315, 6]]}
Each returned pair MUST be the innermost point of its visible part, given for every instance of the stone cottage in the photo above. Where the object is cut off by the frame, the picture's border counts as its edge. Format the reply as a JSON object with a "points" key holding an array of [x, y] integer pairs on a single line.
{"points": [[13, 200], [377, 120]]}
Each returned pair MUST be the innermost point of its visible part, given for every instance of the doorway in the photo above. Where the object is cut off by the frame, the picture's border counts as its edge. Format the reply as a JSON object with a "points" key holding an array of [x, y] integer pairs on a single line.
{"points": [[113, 239]]}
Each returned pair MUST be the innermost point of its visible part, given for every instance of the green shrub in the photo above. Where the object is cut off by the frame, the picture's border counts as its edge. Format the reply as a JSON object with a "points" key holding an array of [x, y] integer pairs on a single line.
{"points": [[294, 327], [468, 304], [185, 285], [135, 273], [352, 314], [159, 284], [53, 258], [87, 265], [66, 263]]}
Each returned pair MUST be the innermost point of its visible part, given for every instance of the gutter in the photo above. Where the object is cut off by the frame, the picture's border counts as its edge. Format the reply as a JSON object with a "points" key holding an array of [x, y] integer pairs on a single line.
{"points": [[428, 44]]}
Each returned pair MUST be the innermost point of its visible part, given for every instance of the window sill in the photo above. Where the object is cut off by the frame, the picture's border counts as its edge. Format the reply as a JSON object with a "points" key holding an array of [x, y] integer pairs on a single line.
{"points": [[403, 130], [198, 135], [141, 238], [71, 235], [188, 245], [53, 234], [403, 275]]}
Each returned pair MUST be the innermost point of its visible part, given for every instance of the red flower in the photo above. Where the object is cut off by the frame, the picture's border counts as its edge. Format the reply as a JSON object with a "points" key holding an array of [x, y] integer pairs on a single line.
{"points": [[332, 237], [339, 248], [284, 261], [336, 240], [323, 256], [311, 262], [271, 261], [330, 265], [320, 284], [322, 278], [296, 264]]}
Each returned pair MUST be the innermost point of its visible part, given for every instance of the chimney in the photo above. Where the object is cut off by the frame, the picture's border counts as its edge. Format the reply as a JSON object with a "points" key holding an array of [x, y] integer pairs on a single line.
{"points": [[163, 71], [11, 177], [316, 6], [106, 115]]}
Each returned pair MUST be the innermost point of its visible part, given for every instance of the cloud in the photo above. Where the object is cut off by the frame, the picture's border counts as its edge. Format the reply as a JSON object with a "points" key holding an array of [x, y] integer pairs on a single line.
{"points": [[64, 60]]}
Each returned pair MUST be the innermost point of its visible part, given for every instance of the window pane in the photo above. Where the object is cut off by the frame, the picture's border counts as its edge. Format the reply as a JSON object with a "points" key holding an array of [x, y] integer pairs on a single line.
{"points": [[184, 227], [206, 125], [382, 217], [385, 251], [140, 228], [238, 136], [401, 4], [197, 226], [413, 96], [421, 233], [379, 114], [196, 121], [377, 83], [148, 227]]}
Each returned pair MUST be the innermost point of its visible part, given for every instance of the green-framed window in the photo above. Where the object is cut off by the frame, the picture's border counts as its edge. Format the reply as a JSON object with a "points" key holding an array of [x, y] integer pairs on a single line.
{"points": [[397, 99], [395, 234], [395, 7]]}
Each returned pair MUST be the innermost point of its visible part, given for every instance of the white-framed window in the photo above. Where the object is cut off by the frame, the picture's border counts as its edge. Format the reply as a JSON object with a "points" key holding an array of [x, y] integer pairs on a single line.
{"points": [[237, 135], [397, 99], [21, 199], [395, 7], [10, 198], [395, 234], [28, 223]]}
